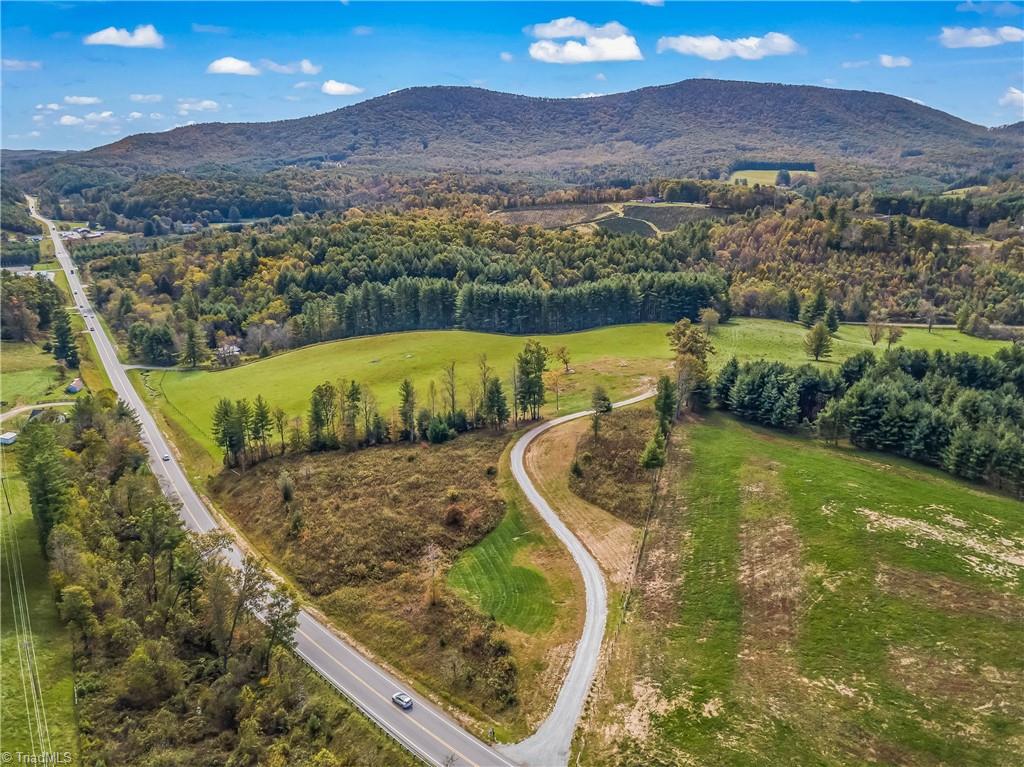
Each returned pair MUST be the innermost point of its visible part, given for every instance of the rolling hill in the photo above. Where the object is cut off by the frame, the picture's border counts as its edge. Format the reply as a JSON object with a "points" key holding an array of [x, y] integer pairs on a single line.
{"points": [[667, 130]]}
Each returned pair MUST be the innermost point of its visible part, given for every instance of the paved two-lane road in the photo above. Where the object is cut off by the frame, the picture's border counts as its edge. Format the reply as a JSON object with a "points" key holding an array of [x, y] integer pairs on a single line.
{"points": [[425, 730]]}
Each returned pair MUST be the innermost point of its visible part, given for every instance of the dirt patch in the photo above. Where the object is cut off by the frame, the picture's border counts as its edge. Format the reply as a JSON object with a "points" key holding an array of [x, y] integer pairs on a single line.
{"points": [[941, 593], [770, 571], [998, 557]]}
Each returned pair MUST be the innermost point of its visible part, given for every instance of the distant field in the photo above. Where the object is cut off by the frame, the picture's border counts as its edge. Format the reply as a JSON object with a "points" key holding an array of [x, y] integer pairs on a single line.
{"points": [[627, 225], [767, 177], [27, 375], [668, 216], [25, 588], [808, 605], [552, 216], [625, 359]]}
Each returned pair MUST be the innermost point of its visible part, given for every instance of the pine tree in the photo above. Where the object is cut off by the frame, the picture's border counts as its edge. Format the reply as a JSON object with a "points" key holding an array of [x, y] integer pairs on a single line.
{"points": [[818, 342], [832, 319], [192, 351], [814, 309], [725, 381], [653, 456], [64, 346], [407, 409], [665, 403], [42, 465], [792, 305]]}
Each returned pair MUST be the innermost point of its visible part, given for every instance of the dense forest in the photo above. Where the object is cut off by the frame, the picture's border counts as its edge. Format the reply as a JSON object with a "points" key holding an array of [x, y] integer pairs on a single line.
{"points": [[285, 282], [28, 306], [172, 667]]}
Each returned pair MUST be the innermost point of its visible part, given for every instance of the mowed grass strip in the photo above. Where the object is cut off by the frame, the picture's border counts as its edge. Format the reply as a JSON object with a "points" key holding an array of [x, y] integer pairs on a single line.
{"points": [[27, 375], [625, 359], [50, 642], [492, 577]]}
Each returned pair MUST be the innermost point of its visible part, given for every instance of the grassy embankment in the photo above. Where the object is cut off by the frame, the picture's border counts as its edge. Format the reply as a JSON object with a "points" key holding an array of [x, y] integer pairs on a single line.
{"points": [[805, 605], [36, 675]]}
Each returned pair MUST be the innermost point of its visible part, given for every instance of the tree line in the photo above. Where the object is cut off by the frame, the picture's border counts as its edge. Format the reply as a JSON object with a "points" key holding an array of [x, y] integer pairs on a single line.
{"points": [[346, 415], [961, 412], [164, 630]]}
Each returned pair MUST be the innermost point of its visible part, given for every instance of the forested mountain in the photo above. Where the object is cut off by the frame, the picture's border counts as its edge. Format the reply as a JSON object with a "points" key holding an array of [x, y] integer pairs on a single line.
{"points": [[691, 127]]}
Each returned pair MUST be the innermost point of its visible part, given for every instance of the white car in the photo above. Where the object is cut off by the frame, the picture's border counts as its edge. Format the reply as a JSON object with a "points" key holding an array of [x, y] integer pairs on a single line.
{"points": [[166, 457], [402, 700]]}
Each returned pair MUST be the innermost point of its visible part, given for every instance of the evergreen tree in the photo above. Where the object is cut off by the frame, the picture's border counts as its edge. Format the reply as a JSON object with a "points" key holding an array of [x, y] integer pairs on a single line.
{"points": [[653, 456], [64, 346], [792, 305], [832, 319], [814, 309], [599, 400], [818, 342], [724, 382], [665, 403], [42, 465], [193, 351], [495, 408]]}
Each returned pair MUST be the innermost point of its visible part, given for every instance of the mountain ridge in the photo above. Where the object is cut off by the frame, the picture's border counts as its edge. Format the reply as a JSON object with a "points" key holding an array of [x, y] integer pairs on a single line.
{"points": [[677, 129]]}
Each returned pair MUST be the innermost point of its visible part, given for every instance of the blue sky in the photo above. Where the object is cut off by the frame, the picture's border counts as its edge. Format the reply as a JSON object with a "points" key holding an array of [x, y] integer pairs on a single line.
{"points": [[77, 75]]}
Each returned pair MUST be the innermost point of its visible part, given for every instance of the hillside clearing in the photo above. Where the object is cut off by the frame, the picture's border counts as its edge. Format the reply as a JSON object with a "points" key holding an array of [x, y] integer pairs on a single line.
{"points": [[789, 612], [625, 359]]}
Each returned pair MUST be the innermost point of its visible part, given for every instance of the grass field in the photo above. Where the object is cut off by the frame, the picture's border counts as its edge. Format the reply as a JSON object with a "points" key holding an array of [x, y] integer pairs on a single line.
{"points": [[807, 605], [767, 177], [491, 577], [27, 375], [44, 650], [625, 359]]}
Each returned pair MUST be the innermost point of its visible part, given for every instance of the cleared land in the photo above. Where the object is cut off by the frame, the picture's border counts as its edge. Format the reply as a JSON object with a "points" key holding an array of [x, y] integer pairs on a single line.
{"points": [[36, 678], [371, 536], [805, 605], [624, 359], [767, 177], [29, 375]]}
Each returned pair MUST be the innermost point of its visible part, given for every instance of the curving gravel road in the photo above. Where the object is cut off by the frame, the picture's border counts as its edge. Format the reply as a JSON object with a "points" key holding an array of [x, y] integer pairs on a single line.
{"points": [[551, 743], [425, 730]]}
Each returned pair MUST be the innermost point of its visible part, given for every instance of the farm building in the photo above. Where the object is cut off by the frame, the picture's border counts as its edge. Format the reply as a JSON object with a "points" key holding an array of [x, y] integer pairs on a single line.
{"points": [[75, 386], [8, 438]]}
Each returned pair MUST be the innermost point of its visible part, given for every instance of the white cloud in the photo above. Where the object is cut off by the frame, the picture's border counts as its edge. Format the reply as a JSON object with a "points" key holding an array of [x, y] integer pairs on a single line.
{"points": [[210, 29], [135, 115], [155, 116], [70, 120], [229, 65], [38, 118], [146, 98], [20, 65], [570, 26], [186, 106], [656, 3], [81, 100], [362, 30], [51, 107], [892, 62], [996, 9], [916, 101], [334, 88], [34, 134], [304, 84], [829, 81], [600, 76], [855, 64], [105, 116], [305, 66], [608, 42], [1014, 97], [979, 37], [506, 57], [715, 48], [144, 36], [587, 95]]}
